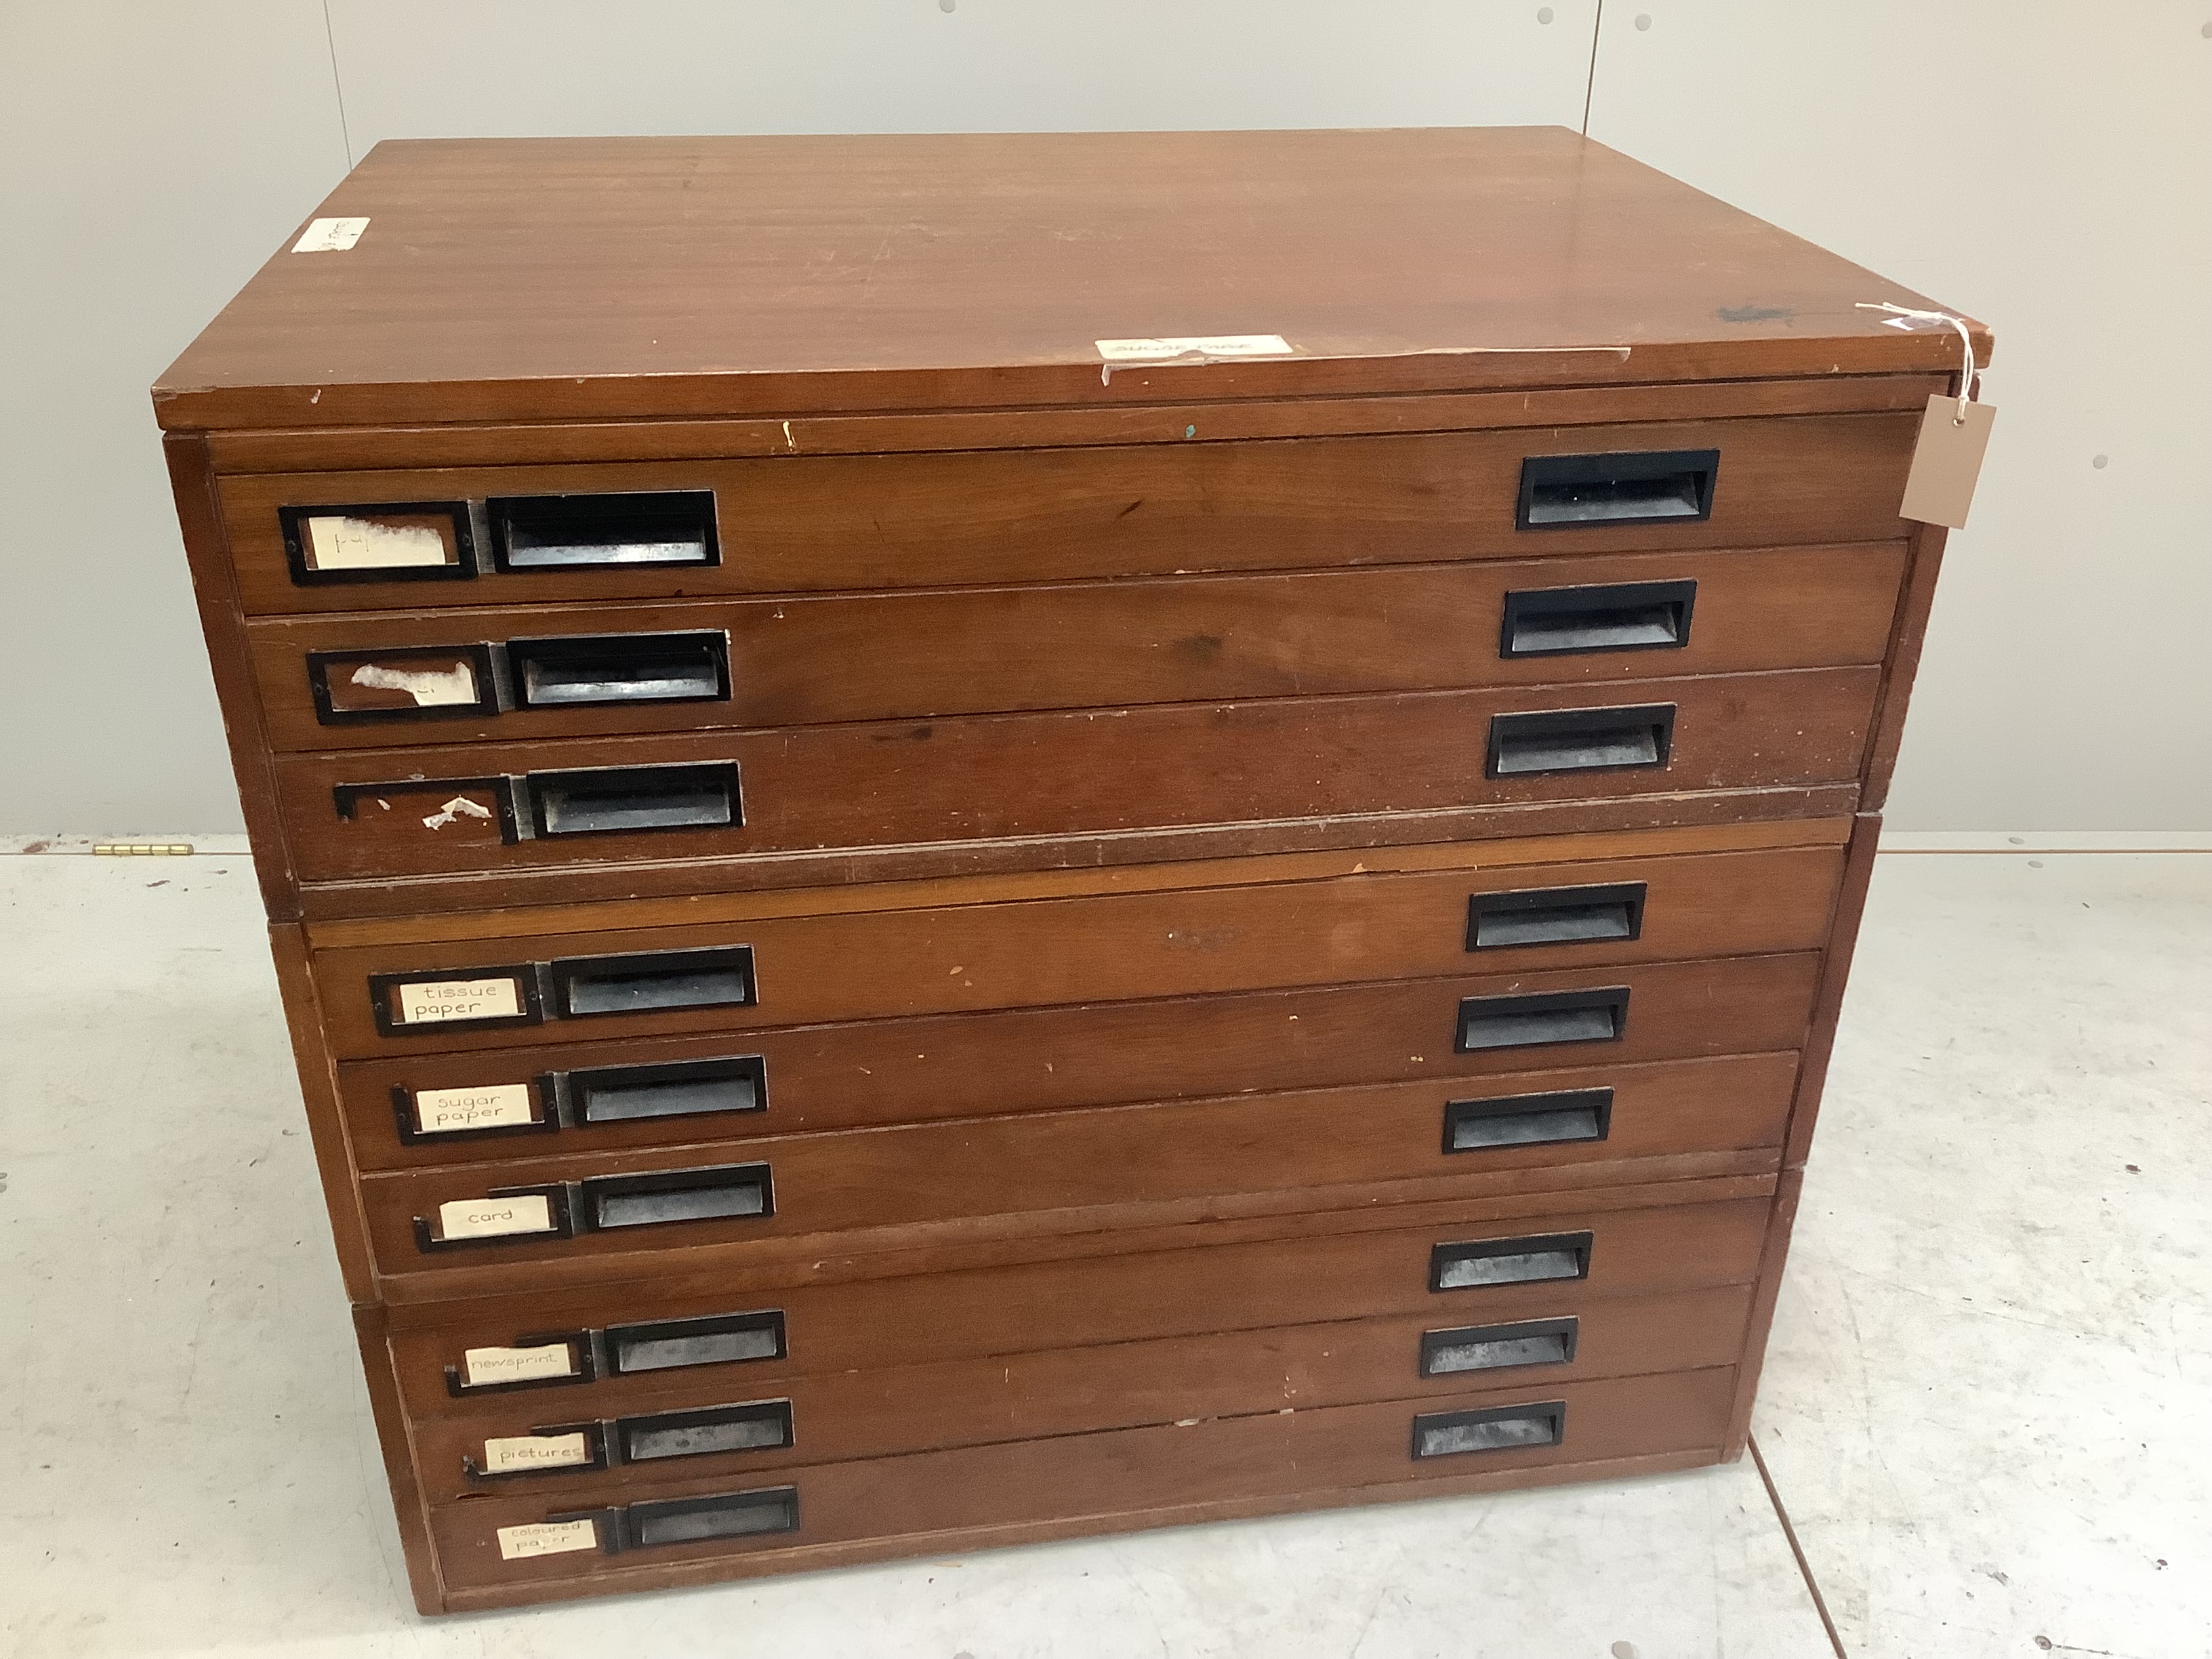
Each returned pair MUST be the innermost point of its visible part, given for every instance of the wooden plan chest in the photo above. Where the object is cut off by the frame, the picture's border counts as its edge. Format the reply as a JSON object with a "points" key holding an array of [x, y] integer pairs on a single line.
{"points": [[973, 839]]}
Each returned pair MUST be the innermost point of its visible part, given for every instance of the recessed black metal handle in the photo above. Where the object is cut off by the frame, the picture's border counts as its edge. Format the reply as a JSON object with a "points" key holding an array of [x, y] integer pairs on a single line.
{"points": [[1556, 622], [667, 1344], [1501, 1428], [605, 668], [1499, 1347], [1554, 915], [1475, 1125], [562, 533], [1580, 740], [724, 1191], [621, 799], [1650, 487], [653, 981], [1522, 1022], [683, 1088], [1475, 1263], [650, 1525], [757, 1425]]}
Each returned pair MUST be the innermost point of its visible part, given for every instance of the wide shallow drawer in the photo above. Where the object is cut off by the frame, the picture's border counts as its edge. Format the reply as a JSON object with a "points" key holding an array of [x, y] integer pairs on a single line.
{"points": [[800, 969], [1088, 1170], [1333, 1451], [610, 1346], [790, 524], [493, 806], [703, 1427], [394, 678], [539, 1099]]}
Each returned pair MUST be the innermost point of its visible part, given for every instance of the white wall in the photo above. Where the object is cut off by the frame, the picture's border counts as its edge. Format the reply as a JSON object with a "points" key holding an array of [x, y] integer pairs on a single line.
{"points": [[2047, 165]]}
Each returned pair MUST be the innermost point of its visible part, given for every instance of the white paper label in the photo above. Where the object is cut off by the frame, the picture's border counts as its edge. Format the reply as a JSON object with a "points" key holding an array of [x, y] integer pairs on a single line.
{"points": [[483, 1367], [505, 1454], [330, 235], [431, 1001], [495, 1106], [1207, 345], [547, 1538], [495, 1218], [431, 688], [339, 543]]}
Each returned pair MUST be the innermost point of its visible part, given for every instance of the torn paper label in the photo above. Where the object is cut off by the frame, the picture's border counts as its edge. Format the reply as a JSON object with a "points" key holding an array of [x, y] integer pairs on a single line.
{"points": [[496, 1217], [459, 807], [450, 1111], [489, 1367], [330, 235], [431, 688], [430, 1002], [1206, 345], [512, 1453], [547, 1538], [341, 544]]}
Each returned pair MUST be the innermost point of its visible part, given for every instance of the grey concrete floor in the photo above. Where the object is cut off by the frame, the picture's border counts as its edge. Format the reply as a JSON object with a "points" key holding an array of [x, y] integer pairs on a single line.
{"points": [[1988, 1410]]}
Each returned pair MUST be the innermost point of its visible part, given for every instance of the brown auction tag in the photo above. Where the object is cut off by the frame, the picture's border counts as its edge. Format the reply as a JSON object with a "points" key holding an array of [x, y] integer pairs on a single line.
{"points": [[1946, 461]]}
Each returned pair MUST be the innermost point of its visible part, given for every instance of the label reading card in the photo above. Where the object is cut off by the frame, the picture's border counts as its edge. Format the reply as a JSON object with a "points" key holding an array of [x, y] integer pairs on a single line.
{"points": [[495, 1218], [547, 1538], [495, 1106], [428, 1001], [511, 1454], [486, 1367], [340, 543], [1947, 462], [1193, 345], [330, 235]]}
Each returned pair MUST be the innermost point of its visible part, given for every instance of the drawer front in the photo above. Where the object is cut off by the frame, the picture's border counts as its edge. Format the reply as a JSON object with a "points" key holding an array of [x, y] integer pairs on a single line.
{"points": [[1118, 1473], [380, 681], [707, 1429], [895, 1071], [471, 807], [795, 524], [1080, 1171], [609, 1347], [791, 970]]}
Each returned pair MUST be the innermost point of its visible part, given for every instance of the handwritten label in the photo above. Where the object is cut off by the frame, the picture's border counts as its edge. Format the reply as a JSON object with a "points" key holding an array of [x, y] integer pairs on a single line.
{"points": [[487, 1367], [330, 235], [510, 1454], [1193, 345], [495, 1106], [431, 688], [431, 1001], [495, 1218], [337, 544], [547, 1538]]}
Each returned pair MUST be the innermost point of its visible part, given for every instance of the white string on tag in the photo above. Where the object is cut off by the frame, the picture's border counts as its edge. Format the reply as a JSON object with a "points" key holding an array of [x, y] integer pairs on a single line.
{"points": [[1965, 339]]}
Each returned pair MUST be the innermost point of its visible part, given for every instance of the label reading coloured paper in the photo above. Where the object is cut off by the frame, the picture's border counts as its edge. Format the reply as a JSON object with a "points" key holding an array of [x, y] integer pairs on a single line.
{"points": [[1947, 462], [330, 235], [495, 1106], [429, 1002], [1193, 345], [486, 1367], [495, 1218], [342, 543], [547, 1538], [511, 1454]]}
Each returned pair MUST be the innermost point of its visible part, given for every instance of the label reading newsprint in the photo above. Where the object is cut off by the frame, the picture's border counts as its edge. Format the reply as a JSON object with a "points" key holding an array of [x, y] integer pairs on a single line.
{"points": [[489, 1367]]}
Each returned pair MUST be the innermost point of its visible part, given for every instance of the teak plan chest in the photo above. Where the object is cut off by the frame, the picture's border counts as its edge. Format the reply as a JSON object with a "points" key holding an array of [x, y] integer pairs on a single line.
{"points": [[974, 839]]}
